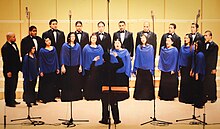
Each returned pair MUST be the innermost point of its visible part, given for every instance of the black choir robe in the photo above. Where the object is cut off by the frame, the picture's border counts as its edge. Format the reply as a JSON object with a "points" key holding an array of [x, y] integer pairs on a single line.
{"points": [[211, 58], [105, 42], [84, 38], [176, 43], [27, 43], [128, 42], [152, 39]]}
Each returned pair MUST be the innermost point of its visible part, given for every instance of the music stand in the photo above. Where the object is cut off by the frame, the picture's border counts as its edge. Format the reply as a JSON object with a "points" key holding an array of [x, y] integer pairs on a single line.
{"points": [[109, 90], [70, 121]]}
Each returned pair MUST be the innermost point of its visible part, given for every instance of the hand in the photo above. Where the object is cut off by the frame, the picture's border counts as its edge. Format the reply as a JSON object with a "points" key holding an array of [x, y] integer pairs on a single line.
{"points": [[172, 72], [58, 71], [191, 73], [80, 69], [179, 74], [197, 76], [63, 69], [9, 74], [41, 74], [96, 58], [133, 74], [115, 54], [214, 71]]}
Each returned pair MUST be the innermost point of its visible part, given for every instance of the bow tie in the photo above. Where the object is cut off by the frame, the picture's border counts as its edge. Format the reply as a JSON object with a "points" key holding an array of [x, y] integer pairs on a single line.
{"points": [[146, 32], [122, 31], [101, 33], [54, 30], [79, 32]]}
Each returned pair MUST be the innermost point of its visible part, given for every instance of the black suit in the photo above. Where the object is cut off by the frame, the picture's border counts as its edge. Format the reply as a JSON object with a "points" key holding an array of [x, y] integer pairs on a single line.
{"points": [[105, 42], [11, 63], [198, 37], [84, 38], [27, 43], [128, 42], [176, 43], [211, 58], [151, 37], [60, 39]]}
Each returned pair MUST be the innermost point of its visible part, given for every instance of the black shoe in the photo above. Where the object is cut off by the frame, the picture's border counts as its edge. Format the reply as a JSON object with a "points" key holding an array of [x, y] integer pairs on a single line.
{"points": [[54, 100], [213, 101], [103, 122], [117, 122], [17, 102], [29, 105], [35, 104], [10, 105]]}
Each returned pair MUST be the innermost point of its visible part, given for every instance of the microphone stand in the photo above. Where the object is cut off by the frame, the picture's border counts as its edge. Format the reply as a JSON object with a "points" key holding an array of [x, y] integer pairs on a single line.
{"points": [[194, 117], [154, 120]]}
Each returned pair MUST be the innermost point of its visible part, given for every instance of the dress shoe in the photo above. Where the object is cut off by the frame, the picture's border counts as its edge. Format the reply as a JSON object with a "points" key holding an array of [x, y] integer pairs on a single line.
{"points": [[10, 105], [117, 122], [35, 104], [213, 101], [29, 105], [103, 122], [17, 102]]}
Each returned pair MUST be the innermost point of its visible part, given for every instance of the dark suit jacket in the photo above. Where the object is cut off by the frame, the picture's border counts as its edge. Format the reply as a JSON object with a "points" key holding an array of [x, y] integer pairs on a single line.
{"points": [[11, 59], [84, 39], [60, 39], [199, 37], [27, 43], [128, 41], [151, 37], [211, 57], [105, 42], [176, 43]]}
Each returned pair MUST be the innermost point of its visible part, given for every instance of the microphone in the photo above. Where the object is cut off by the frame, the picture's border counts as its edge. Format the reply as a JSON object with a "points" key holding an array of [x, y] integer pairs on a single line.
{"points": [[27, 12], [70, 13]]}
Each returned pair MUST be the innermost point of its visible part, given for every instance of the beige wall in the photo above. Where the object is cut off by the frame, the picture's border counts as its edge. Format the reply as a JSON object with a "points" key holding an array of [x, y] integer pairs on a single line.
{"points": [[134, 12]]}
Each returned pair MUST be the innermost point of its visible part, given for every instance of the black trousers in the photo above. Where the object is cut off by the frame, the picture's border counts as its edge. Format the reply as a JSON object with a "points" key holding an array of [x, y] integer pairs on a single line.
{"points": [[10, 88], [114, 108]]}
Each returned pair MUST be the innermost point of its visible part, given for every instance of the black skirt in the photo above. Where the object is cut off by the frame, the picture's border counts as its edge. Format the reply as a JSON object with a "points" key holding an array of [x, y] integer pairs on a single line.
{"points": [[30, 95], [47, 87], [71, 85], [168, 89], [186, 86], [144, 88], [93, 88]]}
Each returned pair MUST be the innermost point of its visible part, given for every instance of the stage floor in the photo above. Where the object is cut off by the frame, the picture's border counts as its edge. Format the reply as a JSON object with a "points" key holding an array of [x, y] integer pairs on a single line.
{"points": [[132, 114]]}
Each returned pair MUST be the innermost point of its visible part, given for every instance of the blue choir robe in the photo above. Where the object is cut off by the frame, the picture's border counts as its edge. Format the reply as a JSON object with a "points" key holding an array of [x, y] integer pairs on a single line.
{"points": [[30, 73], [48, 60], [89, 53], [185, 56], [144, 58], [199, 66], [71, 56], [168, 59], [144, 65]]}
